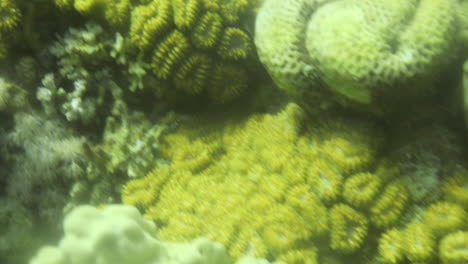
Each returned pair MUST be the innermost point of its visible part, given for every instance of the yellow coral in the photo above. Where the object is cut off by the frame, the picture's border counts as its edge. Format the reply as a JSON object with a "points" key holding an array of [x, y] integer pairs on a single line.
{"points": [[182, 227], [445, 217], [453, 248], [234, 44], [141, 192], [255, 192], [456, 188], [311, 208], [169, 53], [150, 22], [389, 205], [299, 256], [347, 155], [391, 246], [117, 12], [248, 243], [190, 35], [276, 236], [64, 4], [208, 30], [348, 228], [228, 81], [86, 6], [361, 189], [193, 74], [186, 13], [10, 15], [419, 243], [325, 180]]}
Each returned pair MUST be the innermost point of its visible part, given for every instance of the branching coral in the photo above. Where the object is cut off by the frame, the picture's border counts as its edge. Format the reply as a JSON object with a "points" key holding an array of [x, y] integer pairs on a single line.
{"points": [[81, 90], [386, 54]]}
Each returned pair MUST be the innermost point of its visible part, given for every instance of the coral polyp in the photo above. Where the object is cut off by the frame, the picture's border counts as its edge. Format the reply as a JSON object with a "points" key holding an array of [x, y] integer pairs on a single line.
{"points": [[169, 54], [348, 228]]}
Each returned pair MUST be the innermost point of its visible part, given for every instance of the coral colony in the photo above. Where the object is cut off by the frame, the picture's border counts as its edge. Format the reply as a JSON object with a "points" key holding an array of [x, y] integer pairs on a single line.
{"points": [[233, 131]]}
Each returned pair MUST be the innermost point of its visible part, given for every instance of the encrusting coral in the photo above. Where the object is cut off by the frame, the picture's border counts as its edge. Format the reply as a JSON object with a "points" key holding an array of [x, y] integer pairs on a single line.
{"points": [[260, 186], [387, 54]]}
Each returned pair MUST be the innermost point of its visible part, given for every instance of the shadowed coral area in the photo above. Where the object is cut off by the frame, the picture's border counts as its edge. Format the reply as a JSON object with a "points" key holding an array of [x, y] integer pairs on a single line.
{"points": [[274, 185]]}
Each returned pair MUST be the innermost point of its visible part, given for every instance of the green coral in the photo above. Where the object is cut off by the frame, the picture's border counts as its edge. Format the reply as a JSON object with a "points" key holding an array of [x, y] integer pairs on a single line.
{"points": [[266, 185], [386, 54]]}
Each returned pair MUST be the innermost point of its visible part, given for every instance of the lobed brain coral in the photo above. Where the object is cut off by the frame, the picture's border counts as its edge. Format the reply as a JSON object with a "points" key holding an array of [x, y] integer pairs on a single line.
{"points": [[375, 54], [195, 47], [198, 46], [280, 186]]}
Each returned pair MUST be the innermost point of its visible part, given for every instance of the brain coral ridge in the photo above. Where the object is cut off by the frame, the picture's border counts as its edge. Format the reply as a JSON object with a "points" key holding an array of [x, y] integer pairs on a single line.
{"points": [[193, 42], [261, 186], [368, 53]]}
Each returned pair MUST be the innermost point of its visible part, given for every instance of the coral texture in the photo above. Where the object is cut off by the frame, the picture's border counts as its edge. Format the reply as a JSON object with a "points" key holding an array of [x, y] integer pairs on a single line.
{"points": [[270, 186], [376, 54], [195, 43]]}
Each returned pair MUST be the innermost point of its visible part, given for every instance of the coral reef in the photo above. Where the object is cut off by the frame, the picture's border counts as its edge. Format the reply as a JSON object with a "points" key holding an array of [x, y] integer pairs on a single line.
{"points": [[270, 186], [386, 55]]}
